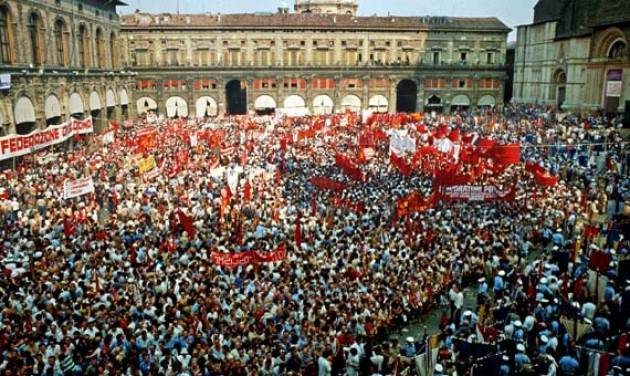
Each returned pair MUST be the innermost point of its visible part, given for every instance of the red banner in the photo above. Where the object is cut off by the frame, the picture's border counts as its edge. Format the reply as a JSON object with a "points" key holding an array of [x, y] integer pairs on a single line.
{"points": [[541, 175], [400, 164], [451, 175], [357, 207], [233, 260], [507, 154], [599, 261], [415, 203], [322, 182], [478, 193], [348, 168]]}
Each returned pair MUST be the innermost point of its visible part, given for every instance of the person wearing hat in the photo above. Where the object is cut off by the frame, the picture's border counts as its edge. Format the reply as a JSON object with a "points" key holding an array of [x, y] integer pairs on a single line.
{"points": [[438, 370], [521, 360], [569, 365], [482, 291], [409, 349]]}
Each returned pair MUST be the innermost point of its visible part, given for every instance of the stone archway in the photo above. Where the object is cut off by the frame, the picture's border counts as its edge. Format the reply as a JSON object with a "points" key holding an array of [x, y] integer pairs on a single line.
{"points": [[236, 97], [406, 96], [560, 87], [176, 107]]}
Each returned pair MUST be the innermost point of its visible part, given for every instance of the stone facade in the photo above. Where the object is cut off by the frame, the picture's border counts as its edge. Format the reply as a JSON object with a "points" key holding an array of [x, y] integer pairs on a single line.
{"points": [[321, 62], [78, 58], [63, 60], [575, 56]]}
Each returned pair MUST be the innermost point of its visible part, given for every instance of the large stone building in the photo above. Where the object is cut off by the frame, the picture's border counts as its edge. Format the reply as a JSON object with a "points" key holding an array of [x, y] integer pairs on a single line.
{"points": [[76, 58], [321, 59], [59, 58], [575, 55]]}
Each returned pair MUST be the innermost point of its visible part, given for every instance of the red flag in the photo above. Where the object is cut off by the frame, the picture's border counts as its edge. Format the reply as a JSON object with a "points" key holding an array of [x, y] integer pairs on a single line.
{"points": [[226, 194], [187, 223], [68, 227], [247, 191], [298, 230]]}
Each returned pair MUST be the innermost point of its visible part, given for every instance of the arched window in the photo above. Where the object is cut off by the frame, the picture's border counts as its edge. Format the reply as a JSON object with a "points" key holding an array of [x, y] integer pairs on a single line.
{"points": [[100, 48], [61, 43], [35, 31], [617, 50], [84, 47], [6, 40], [113, 50]]}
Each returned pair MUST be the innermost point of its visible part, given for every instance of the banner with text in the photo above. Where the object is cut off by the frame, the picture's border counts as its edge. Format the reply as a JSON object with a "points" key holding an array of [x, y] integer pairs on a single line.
{"points": [[233, 260], [478, 193], [17, 145], [76, 188]]}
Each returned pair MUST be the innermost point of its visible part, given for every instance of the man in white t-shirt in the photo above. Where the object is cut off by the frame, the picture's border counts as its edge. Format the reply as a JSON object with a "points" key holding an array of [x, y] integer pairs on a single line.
{"points": [[324, 364]]}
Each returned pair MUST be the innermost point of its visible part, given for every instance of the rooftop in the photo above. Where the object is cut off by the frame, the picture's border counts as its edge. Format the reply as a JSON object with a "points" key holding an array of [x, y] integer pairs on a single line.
{"points": [[308, 21]]}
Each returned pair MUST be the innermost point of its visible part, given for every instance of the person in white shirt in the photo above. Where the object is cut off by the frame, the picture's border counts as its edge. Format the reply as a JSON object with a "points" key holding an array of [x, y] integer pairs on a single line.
{"points": [[324, 364], [352, 363]]}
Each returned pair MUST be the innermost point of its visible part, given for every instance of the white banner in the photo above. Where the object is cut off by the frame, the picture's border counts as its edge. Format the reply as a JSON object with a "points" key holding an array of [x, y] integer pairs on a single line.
{"points": [[613, 88], [17, 145], [400, 142], [76, 188], [5, 81]]}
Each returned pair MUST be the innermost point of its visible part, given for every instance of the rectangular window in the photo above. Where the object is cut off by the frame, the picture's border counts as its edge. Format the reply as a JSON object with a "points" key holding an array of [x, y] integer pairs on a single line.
{"points": [[436, 58], [489, 58], [463, 56]]}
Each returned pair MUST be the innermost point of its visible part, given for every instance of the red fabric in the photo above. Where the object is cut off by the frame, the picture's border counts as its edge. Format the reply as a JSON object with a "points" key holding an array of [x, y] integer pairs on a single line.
{"points": [[69, 227], [249, 257], [623, 342], [486, 147], [357, 207], [415, 203], [187, 223], [455, 135], [247, 191], [599, 261], [541, 175], [348, 168], [507, 154], [400, 164], [604, 364], [322, 182], [451, 175], [590, 231], [226, 195]]}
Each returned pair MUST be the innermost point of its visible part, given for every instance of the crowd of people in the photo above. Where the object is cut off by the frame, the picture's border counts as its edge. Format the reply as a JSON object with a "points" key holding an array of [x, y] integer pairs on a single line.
{"points": [[125, 280]]}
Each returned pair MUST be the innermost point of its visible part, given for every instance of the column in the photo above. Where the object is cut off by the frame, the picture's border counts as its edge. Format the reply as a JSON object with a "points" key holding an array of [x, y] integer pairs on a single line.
{"points": [[250, 94], [309, 93], [365, 100], [191, 97], [336, 95], [393, 100], [337, 52], [221, 96], [420, 97], [308, 58]]}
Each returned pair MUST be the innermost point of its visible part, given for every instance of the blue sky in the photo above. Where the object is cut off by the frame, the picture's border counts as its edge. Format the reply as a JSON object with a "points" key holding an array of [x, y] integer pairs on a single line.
{"points": [[512, 12]]}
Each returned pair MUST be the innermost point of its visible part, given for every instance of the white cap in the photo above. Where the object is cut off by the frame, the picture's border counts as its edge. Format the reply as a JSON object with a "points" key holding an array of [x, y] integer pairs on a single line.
{"points": [[501, 273], [439, 368], [410, 339], [520, 347], [544, 339]]}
